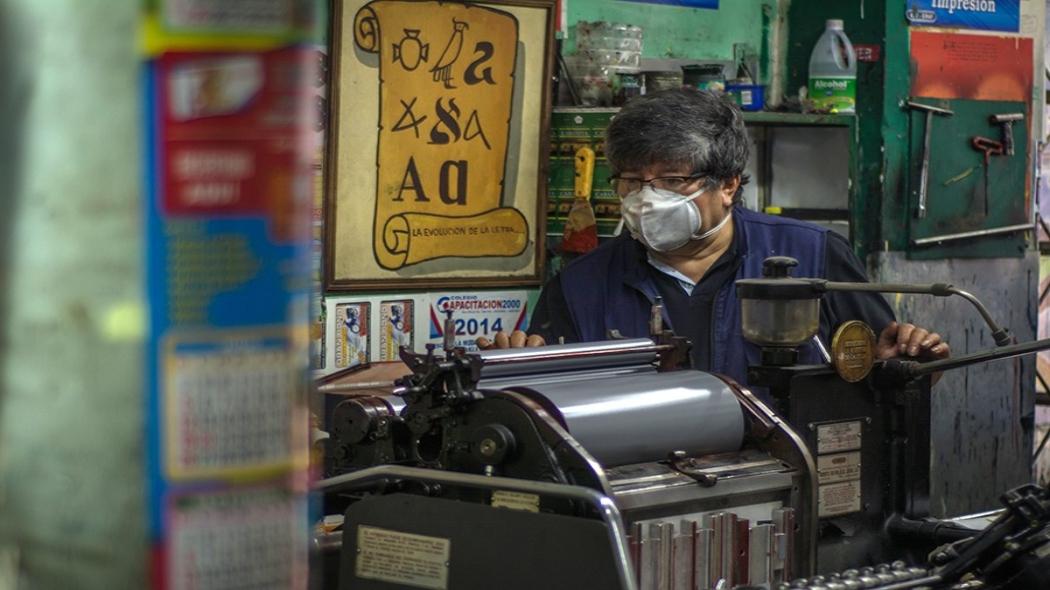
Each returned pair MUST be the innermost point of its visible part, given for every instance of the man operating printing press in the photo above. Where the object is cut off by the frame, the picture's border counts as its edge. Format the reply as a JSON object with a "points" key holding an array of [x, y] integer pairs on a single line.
{"points": [[678, 159]]}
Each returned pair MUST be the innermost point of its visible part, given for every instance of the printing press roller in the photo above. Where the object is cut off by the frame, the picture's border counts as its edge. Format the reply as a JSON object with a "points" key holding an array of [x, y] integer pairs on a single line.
{"points": [[608, 396], [642, 417], [676, 452]]}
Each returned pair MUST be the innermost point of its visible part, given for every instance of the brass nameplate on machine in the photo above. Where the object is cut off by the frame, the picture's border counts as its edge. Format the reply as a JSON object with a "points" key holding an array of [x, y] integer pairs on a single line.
{"points": [[840, 467], [840, 436], [853, 350], [402, 558], [838, 498], [515, 500]]}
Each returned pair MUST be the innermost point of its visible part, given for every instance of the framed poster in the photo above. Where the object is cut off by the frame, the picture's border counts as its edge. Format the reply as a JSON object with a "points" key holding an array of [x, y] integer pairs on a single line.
{"points": [[437, 154]]}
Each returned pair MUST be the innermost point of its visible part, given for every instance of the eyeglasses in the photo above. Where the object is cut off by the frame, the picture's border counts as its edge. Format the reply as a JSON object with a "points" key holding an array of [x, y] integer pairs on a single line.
{"points": [[678, 184]]}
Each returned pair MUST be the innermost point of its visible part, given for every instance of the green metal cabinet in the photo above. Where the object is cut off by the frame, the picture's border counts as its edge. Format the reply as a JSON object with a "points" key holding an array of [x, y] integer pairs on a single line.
{"points": [[961, 187]]}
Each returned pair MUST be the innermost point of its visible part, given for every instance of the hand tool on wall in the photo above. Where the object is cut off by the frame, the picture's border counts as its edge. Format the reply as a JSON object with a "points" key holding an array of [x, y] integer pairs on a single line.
{"points": [[1006, 121], [581, 228], [989, 147], [924, 174]]}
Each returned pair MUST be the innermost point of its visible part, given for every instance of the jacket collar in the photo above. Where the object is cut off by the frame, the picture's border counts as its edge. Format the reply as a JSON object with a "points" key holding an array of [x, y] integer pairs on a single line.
{"points": [[740, 230]]}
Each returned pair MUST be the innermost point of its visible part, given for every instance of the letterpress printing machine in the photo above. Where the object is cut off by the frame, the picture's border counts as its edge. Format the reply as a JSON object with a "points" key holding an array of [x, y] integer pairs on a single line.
{"points": [[614, 465]]}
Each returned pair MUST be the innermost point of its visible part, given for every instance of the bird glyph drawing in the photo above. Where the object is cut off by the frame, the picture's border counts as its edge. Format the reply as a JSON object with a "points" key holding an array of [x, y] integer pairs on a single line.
{"points": [[442, 70]]}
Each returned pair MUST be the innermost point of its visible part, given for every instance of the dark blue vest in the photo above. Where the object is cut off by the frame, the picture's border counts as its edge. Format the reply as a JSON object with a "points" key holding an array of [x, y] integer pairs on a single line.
{"points": [[611, 288]]}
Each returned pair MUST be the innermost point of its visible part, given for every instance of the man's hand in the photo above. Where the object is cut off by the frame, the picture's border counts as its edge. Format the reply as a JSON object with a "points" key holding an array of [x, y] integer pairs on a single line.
{"points": [[517, 339], [912, 341]]}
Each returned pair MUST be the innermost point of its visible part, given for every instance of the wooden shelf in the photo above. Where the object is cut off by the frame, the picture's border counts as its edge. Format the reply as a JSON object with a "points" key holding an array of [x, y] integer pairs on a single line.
{"points": [[751, 117], [797, 119]]}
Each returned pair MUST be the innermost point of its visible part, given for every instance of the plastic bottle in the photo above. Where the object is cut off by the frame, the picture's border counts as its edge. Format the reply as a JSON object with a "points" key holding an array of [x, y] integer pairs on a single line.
{"points": [[833, 71]]}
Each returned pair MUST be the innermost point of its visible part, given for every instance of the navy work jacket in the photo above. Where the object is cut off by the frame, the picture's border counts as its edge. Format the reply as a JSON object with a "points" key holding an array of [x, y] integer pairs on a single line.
{"points": [[611, 288]]}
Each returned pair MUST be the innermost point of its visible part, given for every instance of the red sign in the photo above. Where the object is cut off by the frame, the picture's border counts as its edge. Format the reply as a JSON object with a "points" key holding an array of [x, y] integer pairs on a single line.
{"points": [[977, 67], [869, 53], [230, 132]]}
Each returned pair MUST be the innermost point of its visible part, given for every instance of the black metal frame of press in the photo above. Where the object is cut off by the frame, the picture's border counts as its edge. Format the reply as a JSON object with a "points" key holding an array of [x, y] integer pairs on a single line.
{"points": [[894, 453], [891, 407]]}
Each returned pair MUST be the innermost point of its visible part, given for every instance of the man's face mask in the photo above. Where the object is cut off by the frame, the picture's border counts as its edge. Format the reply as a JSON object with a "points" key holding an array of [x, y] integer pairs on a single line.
{"points": [[664, 220]]}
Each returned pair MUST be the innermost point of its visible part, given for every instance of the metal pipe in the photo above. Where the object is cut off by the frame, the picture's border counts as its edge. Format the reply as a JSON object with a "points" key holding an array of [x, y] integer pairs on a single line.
{"points": [[573, 355], [972, 234], [999, 334], [608, 347], [558, 358], [605, 507], [914, 369], [370, 387]]}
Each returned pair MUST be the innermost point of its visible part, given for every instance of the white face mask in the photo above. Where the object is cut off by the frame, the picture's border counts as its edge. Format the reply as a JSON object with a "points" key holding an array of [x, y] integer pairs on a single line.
{"points": [[664, 220]]}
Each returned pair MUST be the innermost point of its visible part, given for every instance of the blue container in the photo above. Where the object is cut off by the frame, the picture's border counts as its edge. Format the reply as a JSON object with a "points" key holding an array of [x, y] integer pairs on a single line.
{"points": [[750, 97]]}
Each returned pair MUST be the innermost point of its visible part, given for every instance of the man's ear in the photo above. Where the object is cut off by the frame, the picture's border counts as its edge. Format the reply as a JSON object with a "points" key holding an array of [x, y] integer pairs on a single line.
{"points": [[728, 190]]}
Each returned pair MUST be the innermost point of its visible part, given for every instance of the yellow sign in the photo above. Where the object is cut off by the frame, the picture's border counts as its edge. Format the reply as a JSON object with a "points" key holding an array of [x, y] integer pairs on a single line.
{"points": [[446, 83], [853, 350], [515, 500]]}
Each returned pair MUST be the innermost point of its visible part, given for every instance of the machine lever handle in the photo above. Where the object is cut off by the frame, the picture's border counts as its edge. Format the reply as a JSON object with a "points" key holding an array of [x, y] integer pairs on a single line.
{"points": [[687, 466]]}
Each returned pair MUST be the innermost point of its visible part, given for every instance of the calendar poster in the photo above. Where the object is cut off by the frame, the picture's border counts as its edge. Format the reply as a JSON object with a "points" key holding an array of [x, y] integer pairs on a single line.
{"points": [[244, 538], [227, 403], [396, 328], [229, 168], [352, 322]]}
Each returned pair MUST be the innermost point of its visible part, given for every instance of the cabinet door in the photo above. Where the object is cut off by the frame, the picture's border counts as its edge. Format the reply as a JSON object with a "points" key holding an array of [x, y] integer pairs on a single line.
{"points": [[963, 193]]}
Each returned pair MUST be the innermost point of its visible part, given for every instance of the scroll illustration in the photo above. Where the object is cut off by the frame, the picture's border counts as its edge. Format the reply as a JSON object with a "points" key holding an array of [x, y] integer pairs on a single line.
{"points": [[446, 83]]}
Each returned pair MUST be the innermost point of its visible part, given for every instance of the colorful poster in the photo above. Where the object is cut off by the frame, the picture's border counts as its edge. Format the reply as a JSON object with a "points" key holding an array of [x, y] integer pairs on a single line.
{"points": [[237, 25], [317, 333], [227, 204], [443, 130], [352, 321], [227, 399], [977, 67], [435, 143], [477, 314], [395, 328], [253, 537], [985, 15], [255, 16], [690, 3], [231, 145]]}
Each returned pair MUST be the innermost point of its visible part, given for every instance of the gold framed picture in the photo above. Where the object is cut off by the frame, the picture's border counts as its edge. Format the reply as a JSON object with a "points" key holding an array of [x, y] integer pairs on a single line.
{"points": [[438, 143]]}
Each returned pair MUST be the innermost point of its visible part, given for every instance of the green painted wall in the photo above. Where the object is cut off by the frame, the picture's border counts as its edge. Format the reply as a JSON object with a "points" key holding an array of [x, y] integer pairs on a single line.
{"points": [[674, 31]]}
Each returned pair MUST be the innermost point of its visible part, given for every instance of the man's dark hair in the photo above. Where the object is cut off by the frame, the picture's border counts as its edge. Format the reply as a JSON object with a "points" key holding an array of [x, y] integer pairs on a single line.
{"points": [[702, 130]]}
